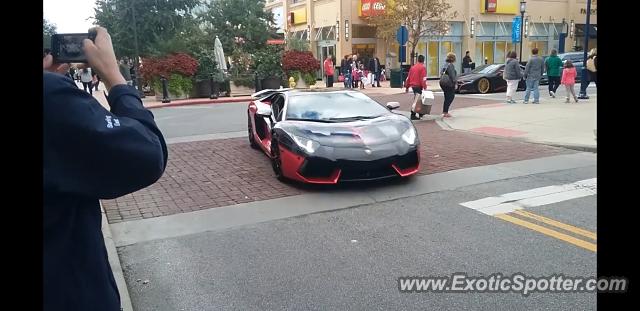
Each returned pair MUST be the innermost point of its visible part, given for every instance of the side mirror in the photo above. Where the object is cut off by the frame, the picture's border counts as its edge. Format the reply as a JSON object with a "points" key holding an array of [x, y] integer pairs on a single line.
{"points": [[393, 105], [264, 111]]}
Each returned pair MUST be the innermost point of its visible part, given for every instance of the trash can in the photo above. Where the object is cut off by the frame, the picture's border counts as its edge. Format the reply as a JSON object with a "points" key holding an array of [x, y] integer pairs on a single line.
{"points": [[396, 80]]}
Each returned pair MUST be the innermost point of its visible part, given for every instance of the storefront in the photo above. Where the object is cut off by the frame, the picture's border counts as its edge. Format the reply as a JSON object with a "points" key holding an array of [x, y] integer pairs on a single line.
{"points": [[325, 38], [544, 36], [435, 49], [493, 42]]}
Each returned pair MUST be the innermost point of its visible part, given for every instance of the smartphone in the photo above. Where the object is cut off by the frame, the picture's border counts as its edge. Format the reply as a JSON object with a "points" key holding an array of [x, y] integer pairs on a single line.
{"points": [[67, 47]]}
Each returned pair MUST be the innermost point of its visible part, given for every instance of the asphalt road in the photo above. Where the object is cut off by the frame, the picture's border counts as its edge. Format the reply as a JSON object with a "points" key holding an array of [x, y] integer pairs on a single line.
{"points": [[351, 258]]}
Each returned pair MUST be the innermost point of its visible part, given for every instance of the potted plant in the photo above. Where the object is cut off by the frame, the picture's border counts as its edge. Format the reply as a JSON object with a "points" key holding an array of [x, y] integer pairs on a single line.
{"points": [[268, 68], [207, 69], [301, 65], [178, 69]]}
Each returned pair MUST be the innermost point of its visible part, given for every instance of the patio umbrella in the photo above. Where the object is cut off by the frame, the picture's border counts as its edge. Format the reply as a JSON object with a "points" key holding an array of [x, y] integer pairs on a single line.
{"points": [[219, 52]]}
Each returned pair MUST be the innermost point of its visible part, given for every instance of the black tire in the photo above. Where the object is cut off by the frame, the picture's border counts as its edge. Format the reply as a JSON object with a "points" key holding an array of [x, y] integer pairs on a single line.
{"points": [[252, 139], [276, 162], [483, 86]]}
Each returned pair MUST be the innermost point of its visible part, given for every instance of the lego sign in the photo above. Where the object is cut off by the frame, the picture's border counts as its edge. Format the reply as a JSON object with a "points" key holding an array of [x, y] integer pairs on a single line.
{"points": [[371, 8]]}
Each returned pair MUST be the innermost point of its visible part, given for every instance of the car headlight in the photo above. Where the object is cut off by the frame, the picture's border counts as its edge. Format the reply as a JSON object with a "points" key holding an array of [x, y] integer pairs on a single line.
{"points": [[410, 136], [309, 145]]}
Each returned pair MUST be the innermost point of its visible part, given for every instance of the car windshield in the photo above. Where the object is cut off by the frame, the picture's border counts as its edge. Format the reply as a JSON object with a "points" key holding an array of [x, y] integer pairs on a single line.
{"points": [[486, 68], [335, 107]]}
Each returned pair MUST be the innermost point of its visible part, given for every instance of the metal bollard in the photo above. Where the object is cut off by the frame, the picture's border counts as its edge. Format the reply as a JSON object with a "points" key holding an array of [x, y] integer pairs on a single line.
{"points": [[165, 92]]}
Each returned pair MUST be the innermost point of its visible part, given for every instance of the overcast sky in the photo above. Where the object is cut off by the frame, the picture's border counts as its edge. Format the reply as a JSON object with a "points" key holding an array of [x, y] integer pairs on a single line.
{"points": [[69, 15]]}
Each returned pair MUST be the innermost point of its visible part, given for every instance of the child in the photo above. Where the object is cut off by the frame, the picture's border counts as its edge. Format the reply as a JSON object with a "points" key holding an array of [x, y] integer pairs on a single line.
{"points": [[569, 79], [364, 76], [355, 76]]}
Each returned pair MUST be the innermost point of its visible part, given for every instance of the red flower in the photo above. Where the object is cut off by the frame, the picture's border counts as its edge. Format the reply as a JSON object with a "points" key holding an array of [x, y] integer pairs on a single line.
{"points": [[179, 63], [300, 60]]}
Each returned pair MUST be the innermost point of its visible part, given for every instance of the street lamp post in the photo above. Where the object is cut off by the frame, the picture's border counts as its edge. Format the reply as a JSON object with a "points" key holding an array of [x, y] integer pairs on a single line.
{"points": [[584, 78], [523, 8]]}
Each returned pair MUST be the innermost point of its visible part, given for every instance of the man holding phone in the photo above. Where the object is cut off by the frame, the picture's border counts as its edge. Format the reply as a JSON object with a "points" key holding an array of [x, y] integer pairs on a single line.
{"points": [[89, 154]]}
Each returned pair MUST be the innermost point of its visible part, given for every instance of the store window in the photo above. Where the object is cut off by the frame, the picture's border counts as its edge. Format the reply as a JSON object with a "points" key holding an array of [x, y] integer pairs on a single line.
{"points": [[432, 59], [436, 49], [493, 42]]}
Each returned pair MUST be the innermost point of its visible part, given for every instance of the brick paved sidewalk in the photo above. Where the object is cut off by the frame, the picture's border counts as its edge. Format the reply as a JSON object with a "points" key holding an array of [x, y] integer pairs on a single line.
{"points": [[214, 173]]}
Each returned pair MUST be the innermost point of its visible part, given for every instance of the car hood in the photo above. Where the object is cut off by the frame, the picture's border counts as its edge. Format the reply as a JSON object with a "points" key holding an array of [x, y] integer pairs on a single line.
{"points": [[362, 133]]}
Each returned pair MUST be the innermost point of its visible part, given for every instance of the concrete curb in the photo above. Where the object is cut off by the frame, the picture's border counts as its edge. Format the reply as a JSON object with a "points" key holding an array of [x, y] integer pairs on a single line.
{"points": [[114, 261], [208, 102]]}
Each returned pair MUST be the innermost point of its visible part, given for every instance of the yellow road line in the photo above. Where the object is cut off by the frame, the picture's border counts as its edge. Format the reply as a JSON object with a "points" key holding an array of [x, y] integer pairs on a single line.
{"points": [[552, 233], [557, 224]]}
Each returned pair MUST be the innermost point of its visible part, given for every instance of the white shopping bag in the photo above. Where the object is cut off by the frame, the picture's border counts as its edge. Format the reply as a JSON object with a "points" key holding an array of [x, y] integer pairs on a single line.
{"points": [[427, 98]]}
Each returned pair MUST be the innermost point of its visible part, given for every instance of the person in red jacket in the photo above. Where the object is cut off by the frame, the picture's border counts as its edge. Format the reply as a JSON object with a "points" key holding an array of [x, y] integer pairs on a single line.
{"points": [[328, 70], [417, 81]]}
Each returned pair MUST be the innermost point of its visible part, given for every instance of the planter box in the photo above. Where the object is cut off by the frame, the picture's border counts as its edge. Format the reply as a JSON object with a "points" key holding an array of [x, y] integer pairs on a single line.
{"points": [[240, 90], [202, 89]]}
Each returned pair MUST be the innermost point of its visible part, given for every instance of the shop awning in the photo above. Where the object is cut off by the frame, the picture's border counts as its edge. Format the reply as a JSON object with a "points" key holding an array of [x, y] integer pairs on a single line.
{"points": [[593, 30]]}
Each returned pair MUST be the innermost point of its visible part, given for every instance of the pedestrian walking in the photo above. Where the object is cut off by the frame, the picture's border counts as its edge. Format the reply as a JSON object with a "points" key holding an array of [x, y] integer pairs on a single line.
{"points": [[95, 80], [375, 69], [466, 63], [125, 72], [448, 80], [553, 66], [345, 68], [89, 153], [416, 80], [328, 70], [592, 66], [532, 75], [512, 74], [569, 74], [86, 78]]}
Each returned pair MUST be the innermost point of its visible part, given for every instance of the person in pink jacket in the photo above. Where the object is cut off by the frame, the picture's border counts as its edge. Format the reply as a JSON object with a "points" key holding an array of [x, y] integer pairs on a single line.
{"points": [[569, 79]]}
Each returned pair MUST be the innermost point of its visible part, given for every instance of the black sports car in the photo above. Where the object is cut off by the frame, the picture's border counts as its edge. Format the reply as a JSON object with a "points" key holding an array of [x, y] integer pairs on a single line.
{"points": [[325, 137], [485, 79]]}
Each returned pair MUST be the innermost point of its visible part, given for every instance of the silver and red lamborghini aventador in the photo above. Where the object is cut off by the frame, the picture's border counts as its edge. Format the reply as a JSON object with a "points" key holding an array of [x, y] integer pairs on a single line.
{"points": [[326, 137]]}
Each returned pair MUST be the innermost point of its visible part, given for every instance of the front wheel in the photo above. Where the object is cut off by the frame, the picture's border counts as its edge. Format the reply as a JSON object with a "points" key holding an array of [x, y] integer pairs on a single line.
{"points": [[276, 161], [484, 86]]}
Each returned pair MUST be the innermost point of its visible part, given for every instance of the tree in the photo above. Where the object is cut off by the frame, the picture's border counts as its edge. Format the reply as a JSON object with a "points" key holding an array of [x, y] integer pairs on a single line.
{"points": [[242, 24], [421, 17], [157, 23], [48, 29]]}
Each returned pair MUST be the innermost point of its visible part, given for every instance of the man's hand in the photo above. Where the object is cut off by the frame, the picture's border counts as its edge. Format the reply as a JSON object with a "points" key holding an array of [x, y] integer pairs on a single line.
{"points": [[48, 65], [102, 59]]}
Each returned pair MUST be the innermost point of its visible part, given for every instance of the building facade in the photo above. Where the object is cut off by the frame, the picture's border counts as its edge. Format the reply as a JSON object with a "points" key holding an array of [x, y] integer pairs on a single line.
{"points": [[482, 27]]}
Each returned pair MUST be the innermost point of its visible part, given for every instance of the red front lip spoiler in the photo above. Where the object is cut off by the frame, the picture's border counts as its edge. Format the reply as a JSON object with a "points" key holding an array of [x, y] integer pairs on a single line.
{"points": [[406, 172], [292, 162]]}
